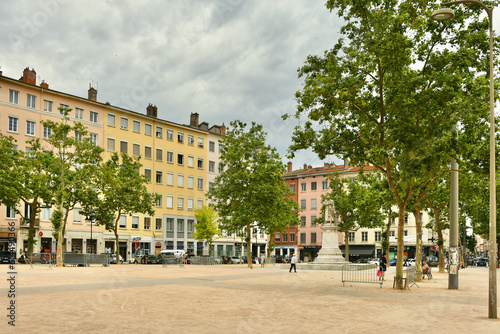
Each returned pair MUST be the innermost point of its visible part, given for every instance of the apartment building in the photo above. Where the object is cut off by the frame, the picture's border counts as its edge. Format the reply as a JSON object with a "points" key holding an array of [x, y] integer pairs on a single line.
{"points": [[175, 157]]}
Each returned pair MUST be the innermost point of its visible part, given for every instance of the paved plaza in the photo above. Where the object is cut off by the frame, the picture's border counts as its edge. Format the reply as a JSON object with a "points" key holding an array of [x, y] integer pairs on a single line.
{"points": [[235, 299]]}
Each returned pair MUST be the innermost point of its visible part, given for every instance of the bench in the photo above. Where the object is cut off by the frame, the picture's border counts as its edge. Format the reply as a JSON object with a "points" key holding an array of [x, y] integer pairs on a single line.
{"points": [[428, 273]]}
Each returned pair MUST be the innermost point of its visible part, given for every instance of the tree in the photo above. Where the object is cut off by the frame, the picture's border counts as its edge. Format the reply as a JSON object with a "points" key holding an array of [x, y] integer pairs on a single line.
{"points": [[390, 92], [73, 169], [206, 226], [120, 190], [251, 190]]}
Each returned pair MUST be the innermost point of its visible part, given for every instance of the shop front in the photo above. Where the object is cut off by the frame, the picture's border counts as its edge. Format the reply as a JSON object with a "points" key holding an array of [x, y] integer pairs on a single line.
{"points": [[309, 253], [141, 245], [359, 252]]}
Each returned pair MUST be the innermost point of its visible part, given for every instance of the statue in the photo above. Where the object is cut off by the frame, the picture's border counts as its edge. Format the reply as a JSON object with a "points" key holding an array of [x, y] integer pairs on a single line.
{"points": [[329, 212]]}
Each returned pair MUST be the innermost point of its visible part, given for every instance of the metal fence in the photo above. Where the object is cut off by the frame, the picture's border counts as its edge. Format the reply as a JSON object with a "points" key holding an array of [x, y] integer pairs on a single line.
{"points": [[360, 273], [74, 259], [205, 260], [42, 258], [411, 276]]}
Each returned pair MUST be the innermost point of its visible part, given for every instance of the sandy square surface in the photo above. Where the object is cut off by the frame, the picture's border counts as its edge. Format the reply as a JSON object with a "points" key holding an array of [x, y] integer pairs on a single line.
{"points": [[235, 299]]}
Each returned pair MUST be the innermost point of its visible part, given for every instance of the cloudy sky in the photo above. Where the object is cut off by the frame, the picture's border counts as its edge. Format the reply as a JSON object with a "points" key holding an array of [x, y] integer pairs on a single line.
{"points": [[224, 59]]}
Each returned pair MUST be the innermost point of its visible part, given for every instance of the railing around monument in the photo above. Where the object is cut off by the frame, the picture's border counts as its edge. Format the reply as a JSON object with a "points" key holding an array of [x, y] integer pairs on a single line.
{"points": [[360, 273]]}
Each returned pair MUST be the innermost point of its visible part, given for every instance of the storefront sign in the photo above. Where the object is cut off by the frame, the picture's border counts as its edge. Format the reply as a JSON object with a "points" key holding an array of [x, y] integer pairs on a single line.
{"points": [[40, 233]]}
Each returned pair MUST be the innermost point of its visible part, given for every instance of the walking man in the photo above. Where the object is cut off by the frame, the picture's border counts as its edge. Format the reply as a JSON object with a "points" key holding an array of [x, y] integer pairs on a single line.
{"points": [[293, 260]]}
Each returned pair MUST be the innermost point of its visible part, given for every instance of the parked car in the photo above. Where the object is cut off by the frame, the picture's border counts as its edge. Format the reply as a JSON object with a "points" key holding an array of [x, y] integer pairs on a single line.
{"points": [[364, 260], [393, 263], [236, 260], [482, 262], [153, 259], [433, 261], [4, 257], [409, 262], [113, 259]]}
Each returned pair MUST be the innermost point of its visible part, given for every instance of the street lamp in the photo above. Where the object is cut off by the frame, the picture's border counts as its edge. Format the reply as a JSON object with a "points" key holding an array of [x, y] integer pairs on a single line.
{"points": [[446, 14], [90, 219]]}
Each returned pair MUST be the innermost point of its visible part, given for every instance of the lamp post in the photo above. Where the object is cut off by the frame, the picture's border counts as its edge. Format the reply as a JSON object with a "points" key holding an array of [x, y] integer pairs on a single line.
{"points": [[446, 14], [90, 218]]}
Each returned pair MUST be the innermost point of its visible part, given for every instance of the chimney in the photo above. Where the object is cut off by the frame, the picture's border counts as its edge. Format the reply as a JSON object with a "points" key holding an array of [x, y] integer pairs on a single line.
{"points": [[289, 165], [223, 129], [346, 163], [195, 118], [92, 94], [44, 85], [305, 166], [152, 111], [29, 76]]}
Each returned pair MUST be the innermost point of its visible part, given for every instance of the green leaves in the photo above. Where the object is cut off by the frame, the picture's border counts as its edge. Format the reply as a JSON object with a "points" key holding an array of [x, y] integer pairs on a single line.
{"points": [[207, 225]]}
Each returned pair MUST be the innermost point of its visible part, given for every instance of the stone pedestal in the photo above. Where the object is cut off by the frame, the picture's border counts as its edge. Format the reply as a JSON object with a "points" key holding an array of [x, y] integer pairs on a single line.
{"points": [[330, 252]]}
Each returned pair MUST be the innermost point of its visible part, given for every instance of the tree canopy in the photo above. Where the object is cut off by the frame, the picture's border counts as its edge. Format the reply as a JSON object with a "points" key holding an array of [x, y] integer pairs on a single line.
{"points": [[207, 226]]}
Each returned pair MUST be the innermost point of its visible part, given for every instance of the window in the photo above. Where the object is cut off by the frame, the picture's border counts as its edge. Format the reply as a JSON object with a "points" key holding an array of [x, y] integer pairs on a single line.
{"points": [[78, 136], [180, 180], [47, 105], [47, 132], [303, 186], [200, 203], [313, 237], [31, 101], [147, 223], [324, 185], [13, 124], [124, 123], [148, 152], [170, 179], [13, 96], [313, 203], [313, 220], [200, 142], [220, 168], [211, 146], [292, 236], [158, 224], [211, 166], [180, 159], [170, 201], [190, 182], [170, 134], [180, 225], [180, 137], [93, 138], [285, 237], [190, 203], [123, 221], [351, 236], [45, 214], [292, 188], [392, 233], [135, 222], [170, 225], [393, 221], [147, 173], [200, 183], [302, 204], [190, 161], [93, 117], [190, 140], [159, 154], [11, 212], [180, 202], [159, 177], [63, 108], [170, 157], [30, 128], [110, 144], [136, 150], [378, 236], [405, 233], [159, 200], [200, 163], [78, 113], [123, 146], [111, 120], [136, 125], [159, 132], [277, 236], [364, 236], [313, 186], [147, 129], [406, 219], [302, 220]]}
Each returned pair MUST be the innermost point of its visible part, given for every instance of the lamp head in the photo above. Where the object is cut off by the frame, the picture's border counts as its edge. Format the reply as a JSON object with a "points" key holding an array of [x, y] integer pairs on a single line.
{"points": [[443, 14]]}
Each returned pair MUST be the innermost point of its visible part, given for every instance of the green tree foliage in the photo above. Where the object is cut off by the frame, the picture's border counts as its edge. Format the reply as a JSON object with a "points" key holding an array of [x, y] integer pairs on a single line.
{"points": [[251, 189], [73, 169], [391, 90], [207, 226], [357, 202], [119, 190]]}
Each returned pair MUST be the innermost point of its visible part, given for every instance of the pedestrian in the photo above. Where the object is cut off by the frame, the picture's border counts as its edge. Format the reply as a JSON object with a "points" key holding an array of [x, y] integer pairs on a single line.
{"points": [[185, 258], [293, 260], [382, 268], [262, 260]]}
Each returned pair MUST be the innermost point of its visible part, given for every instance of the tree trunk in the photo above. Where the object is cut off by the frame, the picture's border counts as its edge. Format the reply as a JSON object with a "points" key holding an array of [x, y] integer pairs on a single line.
{"points": [[437, 215], [401, 244], [31, 229], [117, 243], [346, 247], [249, 246], [418, 254], [60, 238]]}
